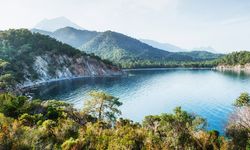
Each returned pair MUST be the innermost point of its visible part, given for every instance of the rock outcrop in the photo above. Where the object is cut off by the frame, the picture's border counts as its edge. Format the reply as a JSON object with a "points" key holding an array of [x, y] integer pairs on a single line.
{"points": [[58, 67], [235, 68]]}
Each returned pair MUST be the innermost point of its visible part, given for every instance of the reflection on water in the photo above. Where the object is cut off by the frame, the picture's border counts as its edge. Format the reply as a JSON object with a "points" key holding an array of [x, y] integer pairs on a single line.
{"points": [[204, 92]]}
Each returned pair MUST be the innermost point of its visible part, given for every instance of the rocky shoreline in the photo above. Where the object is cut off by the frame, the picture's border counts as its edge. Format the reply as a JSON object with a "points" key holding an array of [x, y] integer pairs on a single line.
{"points": [[65, 67], [28, 87], [236, 68]]}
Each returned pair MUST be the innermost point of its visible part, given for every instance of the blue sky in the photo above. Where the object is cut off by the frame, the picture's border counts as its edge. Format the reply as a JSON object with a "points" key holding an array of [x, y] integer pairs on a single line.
{"points": [[222, 24]]}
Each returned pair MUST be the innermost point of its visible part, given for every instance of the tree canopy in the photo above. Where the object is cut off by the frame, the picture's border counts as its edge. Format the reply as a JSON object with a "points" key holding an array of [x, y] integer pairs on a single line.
{"points": [[243, 100], [102, 106], [26, 124], [235, 58]]}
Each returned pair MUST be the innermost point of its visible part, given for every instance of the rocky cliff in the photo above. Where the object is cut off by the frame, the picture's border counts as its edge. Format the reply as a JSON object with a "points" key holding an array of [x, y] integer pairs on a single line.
{"points": [[59, 67]]}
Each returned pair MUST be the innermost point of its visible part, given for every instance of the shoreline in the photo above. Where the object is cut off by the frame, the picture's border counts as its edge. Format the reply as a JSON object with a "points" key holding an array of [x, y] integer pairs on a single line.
{"points": [[177, 68], [236, 69], [39, 83]]}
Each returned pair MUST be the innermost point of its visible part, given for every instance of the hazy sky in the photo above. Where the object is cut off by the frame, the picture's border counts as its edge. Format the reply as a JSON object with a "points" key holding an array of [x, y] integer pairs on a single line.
{"points": [[222, 24]]}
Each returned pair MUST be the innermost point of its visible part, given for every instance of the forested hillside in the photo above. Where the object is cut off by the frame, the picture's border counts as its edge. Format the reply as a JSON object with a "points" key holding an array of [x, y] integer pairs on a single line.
{"points": [[32, 57], [118, 47], [131, 53], [126, 51], [236, 58]]}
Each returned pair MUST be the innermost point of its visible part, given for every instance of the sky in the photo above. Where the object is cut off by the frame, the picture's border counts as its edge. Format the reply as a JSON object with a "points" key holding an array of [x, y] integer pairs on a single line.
{"points": [[221, 24]]}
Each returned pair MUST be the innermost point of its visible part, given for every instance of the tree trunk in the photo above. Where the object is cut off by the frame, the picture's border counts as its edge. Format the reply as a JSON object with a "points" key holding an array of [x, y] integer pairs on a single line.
{"points": [[100, 111]]}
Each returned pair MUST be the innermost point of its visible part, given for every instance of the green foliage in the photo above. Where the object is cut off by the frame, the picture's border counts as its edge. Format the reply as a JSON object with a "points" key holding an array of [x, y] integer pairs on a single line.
{"points": [[239, 136], [55, 109], [13, 106], [131, 53], [30, 120], [19, 50], [166, 64], [72, 144], [6, 78], [175, 129], [33, 129], [102, 106], [238, 127], [236, 58], [20, 47], [128, 137], [243, 100]]}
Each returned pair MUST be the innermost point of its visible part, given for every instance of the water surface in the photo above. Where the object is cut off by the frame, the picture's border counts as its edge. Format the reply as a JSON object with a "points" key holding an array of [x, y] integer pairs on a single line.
{"points": [[207, 93]]}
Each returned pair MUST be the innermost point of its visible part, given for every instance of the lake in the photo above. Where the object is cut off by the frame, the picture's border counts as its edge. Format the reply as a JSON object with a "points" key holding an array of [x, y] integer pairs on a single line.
{"points": [[204, 92]]}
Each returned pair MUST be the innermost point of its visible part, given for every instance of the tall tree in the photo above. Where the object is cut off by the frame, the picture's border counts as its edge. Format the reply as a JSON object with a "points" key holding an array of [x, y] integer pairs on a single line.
{"points": [[238, 127], [243, 100], [6, 79], [102, 106]]}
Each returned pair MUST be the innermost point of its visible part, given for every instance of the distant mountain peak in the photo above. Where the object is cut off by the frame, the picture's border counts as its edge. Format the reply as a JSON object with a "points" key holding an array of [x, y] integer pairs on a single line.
{"points": [[206, 48], [56, 23], [163, 46]]}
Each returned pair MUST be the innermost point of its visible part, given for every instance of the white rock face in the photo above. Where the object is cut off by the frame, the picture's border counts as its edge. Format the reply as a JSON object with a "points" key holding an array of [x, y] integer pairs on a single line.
{"points": [[58, 67], [237, 68], [41, 66]]}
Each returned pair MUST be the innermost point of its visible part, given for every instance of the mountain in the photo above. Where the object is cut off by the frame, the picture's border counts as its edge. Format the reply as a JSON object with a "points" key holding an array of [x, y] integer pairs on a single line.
{"points": [[118, 47], [35, 58], [163, 46], [129, 52], [56, 23], [208, 49], [124, 50], [73, 36], [173, 48], [69, 35]]}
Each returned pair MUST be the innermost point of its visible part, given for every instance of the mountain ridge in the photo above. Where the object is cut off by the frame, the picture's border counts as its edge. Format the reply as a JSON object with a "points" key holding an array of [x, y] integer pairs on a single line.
{"points": [[118, 42], [123, 49]]}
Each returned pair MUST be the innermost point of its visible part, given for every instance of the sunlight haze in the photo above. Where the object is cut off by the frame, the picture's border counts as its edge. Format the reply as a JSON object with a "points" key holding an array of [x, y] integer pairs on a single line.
{"points": [[221, 24]]}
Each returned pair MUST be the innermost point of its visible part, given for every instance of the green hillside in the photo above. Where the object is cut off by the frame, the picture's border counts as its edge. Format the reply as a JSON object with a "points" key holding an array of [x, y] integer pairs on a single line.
{"points": [[235, 58], [31, 56], [118, 47], [126, 51], [129, 52]]}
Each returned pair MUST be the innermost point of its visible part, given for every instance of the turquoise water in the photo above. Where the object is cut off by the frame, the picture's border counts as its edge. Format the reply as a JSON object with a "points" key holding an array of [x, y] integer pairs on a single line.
{"points": [[207, 93]]}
